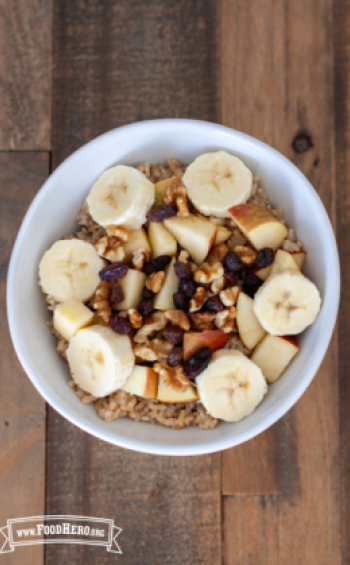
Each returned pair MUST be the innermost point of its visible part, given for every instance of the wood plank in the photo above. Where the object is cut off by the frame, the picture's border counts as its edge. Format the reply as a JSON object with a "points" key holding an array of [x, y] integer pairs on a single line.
{"points": [[25, 71], [277, 65], [22, 410], [115, 63]]}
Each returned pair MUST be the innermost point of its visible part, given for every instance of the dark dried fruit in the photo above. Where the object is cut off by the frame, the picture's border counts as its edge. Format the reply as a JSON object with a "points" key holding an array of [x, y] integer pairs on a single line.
{"points": [[162, 212], [113, 272], [147, 293], [214, 304], [233, 262], [174, 334], [188, 286], [264, 258], [161, 262], [145, 307], [120, 325], [198, 362], [251, 284], [117, 294], [149, 268], [229, 275], [175, 357], [181, 301], [182, 270]]}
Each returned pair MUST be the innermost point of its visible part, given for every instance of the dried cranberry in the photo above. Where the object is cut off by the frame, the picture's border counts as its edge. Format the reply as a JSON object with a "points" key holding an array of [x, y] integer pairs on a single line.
{"points": [[145, 307], [175, 357], [233, 262], [188, 286], [181, 301], [198, 362], [264, 258], [251, 284], [117, 294], [147, 293], [120, 325], [161, 262], [214, 304], [229, 275], [162, 212], [182, 270], [174, 334], [114, 271], [149, 268]]}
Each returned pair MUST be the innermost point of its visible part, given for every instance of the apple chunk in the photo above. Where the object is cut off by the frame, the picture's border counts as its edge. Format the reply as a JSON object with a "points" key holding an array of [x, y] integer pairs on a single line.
{"points": [[193, 234], [284, 261], [215, 339], [161, 240], [138, 241], [132, 285], [143, 381], [222, 235], [273, 355], [259, 225], [249, 328], [164, 299], [262, 274], [167, 394], [160, 188], [299, 257]]}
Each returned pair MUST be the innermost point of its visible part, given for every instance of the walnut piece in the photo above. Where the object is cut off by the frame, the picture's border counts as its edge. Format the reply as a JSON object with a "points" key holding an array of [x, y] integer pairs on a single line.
{"points": [[173, 378], [207, 273], [182, 205], [229, 296], [176, 194], [202, 320], [237, 238], [162, 348], [155, 281], [200, 296], [246, 254], [118, 232], [110, 248], [134, 317], [218, 285], [102, 303], [218, 253], [145, 352], [225, 320], [183, 256], [178, 318], [152, 325], [140, 258]]}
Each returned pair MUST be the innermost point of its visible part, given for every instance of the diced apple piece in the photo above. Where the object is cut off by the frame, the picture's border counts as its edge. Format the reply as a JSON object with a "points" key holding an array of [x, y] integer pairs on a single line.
{"points": [[138, 241], [262, 274], [70, 317], [215, 339], [161, 240], [299, 257], [164, 299], [250, 330], [259, 225], [160, 188], [222, 235], [167, 394], [132, 285], [273, 355], [284, 261], [143, 381], [193, 234]]}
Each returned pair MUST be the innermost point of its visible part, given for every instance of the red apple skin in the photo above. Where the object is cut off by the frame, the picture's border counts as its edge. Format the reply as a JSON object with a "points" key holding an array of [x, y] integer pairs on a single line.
{"points": [[151, 388], [251, 215], [291, 340], [215, 339]]}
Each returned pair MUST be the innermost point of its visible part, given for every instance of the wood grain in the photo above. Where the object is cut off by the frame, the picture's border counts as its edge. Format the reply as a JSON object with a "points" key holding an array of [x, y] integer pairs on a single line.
{"points": [[22, 410], [115, 63], [25, 74], [276, 83]]}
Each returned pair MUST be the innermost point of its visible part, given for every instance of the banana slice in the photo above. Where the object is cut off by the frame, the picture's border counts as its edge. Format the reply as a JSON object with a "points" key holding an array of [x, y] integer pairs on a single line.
{"points": [[100, 360], [231, 387], [287, 303], [69, 269], [121, 196], [217, 181]]}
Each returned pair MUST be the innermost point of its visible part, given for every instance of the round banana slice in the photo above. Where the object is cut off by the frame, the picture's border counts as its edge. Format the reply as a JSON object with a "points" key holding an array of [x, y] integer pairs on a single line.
{"points": [[231, 387], [121, 196], [69, 269], [217, 181], [287, 303], [100, 360]]}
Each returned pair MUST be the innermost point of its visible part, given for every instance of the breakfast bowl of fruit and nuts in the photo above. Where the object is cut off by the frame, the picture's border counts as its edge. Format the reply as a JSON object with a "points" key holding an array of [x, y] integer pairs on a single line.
{"points": [[181, 287]]}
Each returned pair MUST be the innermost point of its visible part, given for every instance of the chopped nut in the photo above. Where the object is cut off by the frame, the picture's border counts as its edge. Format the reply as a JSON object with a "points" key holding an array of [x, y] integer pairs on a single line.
{"points": [[218, 285], [183, 257], [102, 303], [174, 378], [145, 352], [145, 169], [225, 320], [237, 238], [176, 194], [202, 320], [246, 254], [174, 165], [120, 233], [207, 273], [140, 258], [198, 299], [182, 204], [154, 324], [155, 281], [229, 296], [218, 253], [162, 348], [110, 248], [135, 318], [178, 318]]}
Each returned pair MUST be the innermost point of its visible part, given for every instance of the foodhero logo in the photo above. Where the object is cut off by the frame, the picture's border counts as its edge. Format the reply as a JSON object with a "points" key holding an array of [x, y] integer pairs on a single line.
{"points": [[60, 529]]}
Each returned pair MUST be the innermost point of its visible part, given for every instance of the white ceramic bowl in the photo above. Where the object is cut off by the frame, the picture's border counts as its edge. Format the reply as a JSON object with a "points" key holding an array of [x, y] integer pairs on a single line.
{"points": [[51, 215]]}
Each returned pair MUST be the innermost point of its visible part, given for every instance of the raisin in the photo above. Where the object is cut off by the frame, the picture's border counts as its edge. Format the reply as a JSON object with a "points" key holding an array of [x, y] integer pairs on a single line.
{"points": [[174, 334], [198, 362], [161, 262], [175, 357], [264, 258], [145, 307], [251, 284], [146, 293], [229, 275], [117, 294], [233, 262], [162, 212], [120, 325], [182, 270], [149, 268], [181, 301], [188, 286], [114, 271], [214, 304]]}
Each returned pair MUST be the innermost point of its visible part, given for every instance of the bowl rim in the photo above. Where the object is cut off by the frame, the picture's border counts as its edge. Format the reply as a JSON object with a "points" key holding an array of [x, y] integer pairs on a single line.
{"points": [[283, 406]]}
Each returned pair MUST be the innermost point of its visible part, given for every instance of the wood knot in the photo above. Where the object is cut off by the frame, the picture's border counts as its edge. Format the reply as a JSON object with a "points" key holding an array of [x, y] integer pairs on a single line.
{"points": [[302, 142]]}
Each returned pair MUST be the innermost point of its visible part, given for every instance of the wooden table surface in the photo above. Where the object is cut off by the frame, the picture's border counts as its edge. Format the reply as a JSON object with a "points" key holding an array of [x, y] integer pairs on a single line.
{"points": [[71, 70]]}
